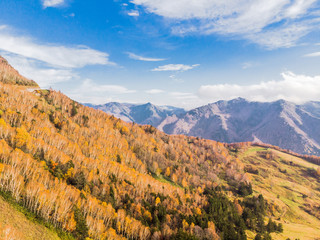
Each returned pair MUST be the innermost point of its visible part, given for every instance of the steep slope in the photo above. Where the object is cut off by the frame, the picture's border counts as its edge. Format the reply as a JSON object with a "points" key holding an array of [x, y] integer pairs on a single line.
{"points": [[96, 176], [9, 75], [16, 226], [313, 108], [279, 123], [139, 113]]}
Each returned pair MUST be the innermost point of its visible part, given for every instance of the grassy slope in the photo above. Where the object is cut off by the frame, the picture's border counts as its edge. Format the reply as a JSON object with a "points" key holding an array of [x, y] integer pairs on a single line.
{"points": [[15, 225], [289, 191]]}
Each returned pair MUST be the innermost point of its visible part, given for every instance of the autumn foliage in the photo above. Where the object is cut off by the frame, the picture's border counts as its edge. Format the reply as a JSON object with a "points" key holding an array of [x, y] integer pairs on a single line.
{"points": [[96, 176]]}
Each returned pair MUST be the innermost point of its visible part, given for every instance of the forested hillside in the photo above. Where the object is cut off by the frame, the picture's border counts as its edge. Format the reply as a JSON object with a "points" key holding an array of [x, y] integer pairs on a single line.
{"points": [[9, 75], [97, 177]]}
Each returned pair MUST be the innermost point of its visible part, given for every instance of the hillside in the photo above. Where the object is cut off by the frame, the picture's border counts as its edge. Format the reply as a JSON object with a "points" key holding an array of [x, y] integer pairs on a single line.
{"points": [[96, 176], [14, 225], [9, 75], [291, 184]]}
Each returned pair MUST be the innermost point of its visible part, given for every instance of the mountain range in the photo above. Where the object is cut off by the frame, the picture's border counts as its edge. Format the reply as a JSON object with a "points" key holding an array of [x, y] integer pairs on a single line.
{"points": [[281, 123], [139, 113]]}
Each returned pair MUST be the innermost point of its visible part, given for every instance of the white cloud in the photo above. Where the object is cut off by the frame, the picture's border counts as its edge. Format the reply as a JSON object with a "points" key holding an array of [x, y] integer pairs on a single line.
{"points": [[175, 67], [154, 91], [34, 70], [292, 87], [45, 63], [183, 95], [286, 36], [55, 55], [247, 65], [315, 54], [89, 86], [52, 3], [133, 13], [249, 19], [176, 79], [141, 58], [91, 92]]}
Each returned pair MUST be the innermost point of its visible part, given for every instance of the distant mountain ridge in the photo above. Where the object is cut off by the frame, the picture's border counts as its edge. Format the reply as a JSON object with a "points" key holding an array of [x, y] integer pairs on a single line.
{"points": [[139, 113], [281, 123]]}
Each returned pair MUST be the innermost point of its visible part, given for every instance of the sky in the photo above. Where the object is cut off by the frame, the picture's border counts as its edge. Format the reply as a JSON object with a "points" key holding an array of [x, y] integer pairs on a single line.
{"points": [[183, 53]]}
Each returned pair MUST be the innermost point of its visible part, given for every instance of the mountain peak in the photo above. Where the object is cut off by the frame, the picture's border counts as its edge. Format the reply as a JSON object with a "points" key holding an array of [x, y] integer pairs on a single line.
{"points": [[239, 99]]}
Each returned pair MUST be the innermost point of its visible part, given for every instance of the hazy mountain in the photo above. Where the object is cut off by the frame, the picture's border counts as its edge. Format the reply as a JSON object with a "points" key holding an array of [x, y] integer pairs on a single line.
{"points": [[139, 113], [281, 123]]}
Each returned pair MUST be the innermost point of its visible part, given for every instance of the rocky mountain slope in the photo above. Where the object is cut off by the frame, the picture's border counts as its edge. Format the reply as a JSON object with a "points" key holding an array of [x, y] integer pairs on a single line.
{"points": [[139, 113], [280, 123]]}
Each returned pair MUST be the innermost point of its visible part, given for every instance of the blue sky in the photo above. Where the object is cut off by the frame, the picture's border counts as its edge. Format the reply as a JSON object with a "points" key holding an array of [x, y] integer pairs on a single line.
{"points": [[183, 53]]}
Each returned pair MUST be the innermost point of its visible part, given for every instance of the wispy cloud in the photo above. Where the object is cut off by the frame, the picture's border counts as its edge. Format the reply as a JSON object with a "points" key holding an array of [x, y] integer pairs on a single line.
{"points": [[315, 54], [90, 86], [183, 95], [154, 91], [46, 63], [261, 21], [34, 70], [92, 92], [56, 55], [247, 65], [146, 59], [175, 67], [52, 3], [133, 13], [176, 79], [292, 87]]}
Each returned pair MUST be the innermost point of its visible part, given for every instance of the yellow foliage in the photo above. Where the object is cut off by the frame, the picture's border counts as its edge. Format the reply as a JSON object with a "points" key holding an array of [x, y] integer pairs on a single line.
{"points": [[198, 211], [118, 226], [168, 172], [34, 111], [185, 225], [21, 137], [174, 177], [158, 200], [148, 215], [158, 171], [2, 123], [184, 183], [43, 164], [69, 173]]}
